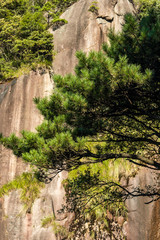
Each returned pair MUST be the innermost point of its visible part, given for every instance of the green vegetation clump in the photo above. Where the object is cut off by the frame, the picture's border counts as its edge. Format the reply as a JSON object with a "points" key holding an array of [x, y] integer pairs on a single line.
{"points": [[94, 8], [100, 120], [29, 187], [59, 230], [25, 41]]}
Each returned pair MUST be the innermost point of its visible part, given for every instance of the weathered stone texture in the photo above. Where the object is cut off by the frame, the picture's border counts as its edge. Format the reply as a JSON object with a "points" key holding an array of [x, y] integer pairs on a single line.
{"points": [[143, 219], [85, 31], [18, 112]]}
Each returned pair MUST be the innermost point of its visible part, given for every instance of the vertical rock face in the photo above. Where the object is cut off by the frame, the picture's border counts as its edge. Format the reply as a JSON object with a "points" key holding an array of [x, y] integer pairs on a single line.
{"points": [[17, 112], [143, 219], [85, 31]]}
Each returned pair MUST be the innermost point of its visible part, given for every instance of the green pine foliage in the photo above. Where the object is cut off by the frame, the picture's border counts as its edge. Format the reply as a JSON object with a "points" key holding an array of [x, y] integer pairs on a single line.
{"points": [[139, 41], [143, 6], [93, 8], [25, 42], [108, 112]]}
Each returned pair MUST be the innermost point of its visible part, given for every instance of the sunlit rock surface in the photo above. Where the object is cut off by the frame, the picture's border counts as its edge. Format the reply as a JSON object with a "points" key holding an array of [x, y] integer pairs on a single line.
{"points": [[85, 31], [143, 218], [17, 112]]}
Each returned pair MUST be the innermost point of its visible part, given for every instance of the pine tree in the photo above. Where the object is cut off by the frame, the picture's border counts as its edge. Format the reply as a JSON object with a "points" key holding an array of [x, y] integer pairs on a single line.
{"points": [[108, 111]]}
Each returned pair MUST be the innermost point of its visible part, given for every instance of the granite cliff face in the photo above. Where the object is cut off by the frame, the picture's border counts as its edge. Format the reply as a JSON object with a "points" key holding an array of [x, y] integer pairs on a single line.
{"points": [[18, 112], [143, 219], [86, 31]]}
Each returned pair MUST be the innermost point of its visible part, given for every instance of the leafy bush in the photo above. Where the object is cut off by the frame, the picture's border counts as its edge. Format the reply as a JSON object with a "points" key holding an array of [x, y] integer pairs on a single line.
{"points": [[24, 37]]}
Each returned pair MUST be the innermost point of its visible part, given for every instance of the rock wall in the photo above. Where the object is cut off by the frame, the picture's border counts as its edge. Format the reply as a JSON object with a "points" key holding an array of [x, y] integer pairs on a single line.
{"points": [[85, 31], [18, 112], [143, 219]]}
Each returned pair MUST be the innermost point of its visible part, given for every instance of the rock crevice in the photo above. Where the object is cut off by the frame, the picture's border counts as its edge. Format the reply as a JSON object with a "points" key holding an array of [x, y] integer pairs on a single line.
{"points": [[84, 31]]}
